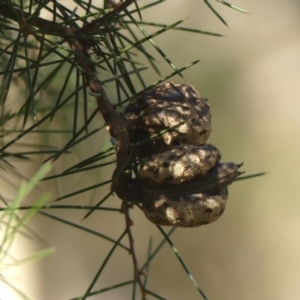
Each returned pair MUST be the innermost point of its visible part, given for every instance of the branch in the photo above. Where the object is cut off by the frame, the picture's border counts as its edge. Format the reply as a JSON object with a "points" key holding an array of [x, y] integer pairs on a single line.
{"points": [[137, 272]]}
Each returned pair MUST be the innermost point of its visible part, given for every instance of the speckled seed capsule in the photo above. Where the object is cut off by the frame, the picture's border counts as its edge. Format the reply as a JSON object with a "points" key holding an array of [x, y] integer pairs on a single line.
{"points": [[185, 210], [177, 113], [180, 164], [191, 204]]}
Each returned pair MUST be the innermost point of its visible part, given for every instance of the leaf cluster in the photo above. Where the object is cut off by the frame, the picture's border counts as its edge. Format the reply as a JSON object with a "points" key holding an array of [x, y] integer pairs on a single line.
{"points": [[71, 62]]}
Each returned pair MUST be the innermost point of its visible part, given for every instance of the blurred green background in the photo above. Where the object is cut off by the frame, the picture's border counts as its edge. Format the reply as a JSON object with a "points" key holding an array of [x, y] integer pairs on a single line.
{"points": [[251, 77]]}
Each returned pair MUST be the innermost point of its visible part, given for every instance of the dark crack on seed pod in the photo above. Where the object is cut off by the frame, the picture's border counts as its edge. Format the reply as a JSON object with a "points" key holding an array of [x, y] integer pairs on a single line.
{"points": [[220, 175]]}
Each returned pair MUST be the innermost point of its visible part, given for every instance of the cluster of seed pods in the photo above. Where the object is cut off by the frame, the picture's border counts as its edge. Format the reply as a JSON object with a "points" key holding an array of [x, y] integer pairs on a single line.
{"points": [[181, 180]]}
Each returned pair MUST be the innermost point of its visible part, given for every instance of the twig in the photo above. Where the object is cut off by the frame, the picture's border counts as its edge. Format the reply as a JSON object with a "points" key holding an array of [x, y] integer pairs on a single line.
{"points": [[138, 272], [114, 122]]}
